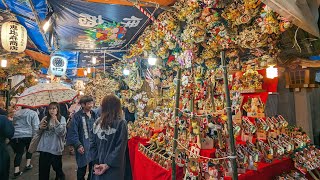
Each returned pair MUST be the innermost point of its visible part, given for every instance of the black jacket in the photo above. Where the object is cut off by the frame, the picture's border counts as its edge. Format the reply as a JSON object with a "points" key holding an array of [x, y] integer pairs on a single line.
{"points": [[6, 131]]}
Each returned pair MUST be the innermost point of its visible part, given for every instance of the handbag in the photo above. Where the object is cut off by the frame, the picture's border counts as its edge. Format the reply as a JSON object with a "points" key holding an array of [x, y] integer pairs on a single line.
{"points": [[35, 142]]}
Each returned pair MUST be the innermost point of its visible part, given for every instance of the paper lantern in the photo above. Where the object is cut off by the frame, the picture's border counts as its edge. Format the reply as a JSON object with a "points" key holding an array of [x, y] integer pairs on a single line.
{"points": [[58, 65], [13, 37]]}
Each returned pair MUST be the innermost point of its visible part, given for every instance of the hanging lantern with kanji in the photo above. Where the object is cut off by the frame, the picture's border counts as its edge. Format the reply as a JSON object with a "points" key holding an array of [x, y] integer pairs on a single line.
{"points": [[58, 66], [13, 37]]}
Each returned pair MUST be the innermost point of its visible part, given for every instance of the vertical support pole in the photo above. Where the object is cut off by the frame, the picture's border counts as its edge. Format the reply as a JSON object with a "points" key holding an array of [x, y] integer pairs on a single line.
{"points": [[104, 61], [8, 92], [177, 97], [230, 125]]}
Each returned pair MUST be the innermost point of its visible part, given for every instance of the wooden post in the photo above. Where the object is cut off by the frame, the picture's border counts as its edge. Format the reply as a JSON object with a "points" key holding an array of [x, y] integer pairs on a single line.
{"points": [[176, 111], [230, 124], [303, 111], [8, 95]]}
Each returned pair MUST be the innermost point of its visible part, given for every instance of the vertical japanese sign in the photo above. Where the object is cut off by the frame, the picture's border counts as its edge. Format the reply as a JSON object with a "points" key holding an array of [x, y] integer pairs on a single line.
{"points": [[13, 37]]}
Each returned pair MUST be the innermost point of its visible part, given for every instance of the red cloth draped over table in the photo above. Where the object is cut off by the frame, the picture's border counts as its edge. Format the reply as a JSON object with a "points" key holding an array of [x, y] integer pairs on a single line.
{"points": [[146, 169], [132, 146], [267, 171]]}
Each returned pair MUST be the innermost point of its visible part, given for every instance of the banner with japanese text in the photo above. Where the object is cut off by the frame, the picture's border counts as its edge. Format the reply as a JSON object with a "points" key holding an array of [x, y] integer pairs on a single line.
{"points": [[95, 26]]}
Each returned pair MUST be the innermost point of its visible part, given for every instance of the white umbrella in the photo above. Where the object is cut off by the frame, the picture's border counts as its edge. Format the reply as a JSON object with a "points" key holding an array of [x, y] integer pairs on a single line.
{"points": [[44, 93]]}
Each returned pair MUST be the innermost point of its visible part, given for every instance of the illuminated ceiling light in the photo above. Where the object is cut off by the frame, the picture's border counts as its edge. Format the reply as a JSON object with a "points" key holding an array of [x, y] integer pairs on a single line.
{"points": [[152, 60], [4, 63], [272, 72], [47, 22], [94, 60], [126, 72]]}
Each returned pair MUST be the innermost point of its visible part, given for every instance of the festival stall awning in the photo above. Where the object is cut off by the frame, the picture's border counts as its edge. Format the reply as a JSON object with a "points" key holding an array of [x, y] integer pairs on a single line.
{"points": [[303, 13]]}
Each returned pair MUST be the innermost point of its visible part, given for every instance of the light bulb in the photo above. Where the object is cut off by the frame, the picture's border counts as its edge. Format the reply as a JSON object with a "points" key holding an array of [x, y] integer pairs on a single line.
{"points": [[94, 60], [46, 25], [89, 70], [272, 72], [126, 72], [4, 63], [152, 60]]}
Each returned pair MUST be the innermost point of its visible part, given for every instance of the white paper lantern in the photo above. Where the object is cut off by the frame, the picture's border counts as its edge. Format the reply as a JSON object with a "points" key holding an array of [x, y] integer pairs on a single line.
{"points": [[13, 37], [58, 65]]}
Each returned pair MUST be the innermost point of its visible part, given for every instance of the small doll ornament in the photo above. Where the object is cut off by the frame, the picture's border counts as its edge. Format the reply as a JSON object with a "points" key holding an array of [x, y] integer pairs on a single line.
{"points": [[213, 172], [193, 169]]}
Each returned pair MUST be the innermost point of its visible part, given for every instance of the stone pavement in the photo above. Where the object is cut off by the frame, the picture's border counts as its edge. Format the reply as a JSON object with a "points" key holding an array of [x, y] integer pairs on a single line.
{"points": [[68, 162]]}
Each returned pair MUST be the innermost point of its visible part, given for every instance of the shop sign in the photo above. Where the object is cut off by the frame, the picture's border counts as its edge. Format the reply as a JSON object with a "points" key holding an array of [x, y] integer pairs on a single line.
{"points": [[13, 37], [58, 65]]}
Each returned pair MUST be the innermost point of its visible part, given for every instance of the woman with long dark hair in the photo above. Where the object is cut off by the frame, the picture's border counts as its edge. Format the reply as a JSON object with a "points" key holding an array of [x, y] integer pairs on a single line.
{"points": [[53, 132], [109, 141]]}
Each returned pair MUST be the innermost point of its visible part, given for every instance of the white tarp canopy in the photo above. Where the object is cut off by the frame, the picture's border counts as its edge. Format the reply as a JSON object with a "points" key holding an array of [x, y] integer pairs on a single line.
{"points": [[303, 13]]}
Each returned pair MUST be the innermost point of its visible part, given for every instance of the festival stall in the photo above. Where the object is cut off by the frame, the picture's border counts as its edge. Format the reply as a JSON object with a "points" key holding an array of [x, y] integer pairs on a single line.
{"points": [[199, 55], [194, 80]]}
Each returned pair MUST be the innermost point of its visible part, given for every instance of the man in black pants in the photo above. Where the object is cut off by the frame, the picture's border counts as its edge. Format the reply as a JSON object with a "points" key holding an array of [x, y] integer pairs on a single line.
{"points": [[6, 131], [26, 123]]}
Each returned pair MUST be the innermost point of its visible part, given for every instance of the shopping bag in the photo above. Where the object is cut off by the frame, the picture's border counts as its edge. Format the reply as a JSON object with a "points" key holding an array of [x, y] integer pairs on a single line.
{"points": [[34, 142]]}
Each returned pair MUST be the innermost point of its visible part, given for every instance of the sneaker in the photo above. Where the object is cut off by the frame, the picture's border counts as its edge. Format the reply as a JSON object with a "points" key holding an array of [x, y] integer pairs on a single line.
{"points": [[29, 167], [17, 174]]}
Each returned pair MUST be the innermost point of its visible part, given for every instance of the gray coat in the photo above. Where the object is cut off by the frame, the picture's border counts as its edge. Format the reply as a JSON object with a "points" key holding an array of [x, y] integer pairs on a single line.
{"points": [[108, 146], [52, 139], [26, 123]]}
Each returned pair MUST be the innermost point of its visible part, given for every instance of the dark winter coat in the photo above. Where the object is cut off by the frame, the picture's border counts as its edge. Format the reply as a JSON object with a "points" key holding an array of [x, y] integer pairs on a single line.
{"points": [[108, 146], [6, 131], [79, 134]]}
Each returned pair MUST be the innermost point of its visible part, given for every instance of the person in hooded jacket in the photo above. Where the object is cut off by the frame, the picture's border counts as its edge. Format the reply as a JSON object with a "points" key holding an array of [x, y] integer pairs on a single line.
{"points": [[109, 141], [26, 123], [78, 136], [6, 131]]}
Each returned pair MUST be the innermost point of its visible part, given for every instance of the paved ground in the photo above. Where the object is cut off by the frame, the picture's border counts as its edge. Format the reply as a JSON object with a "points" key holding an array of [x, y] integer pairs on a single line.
{"points": [[68, 161]]}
